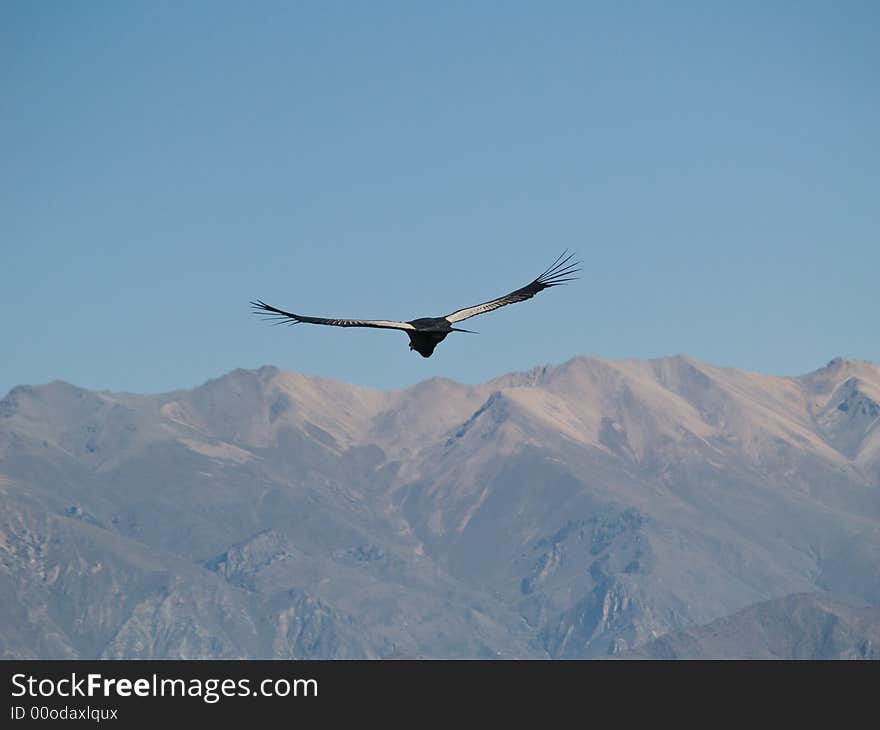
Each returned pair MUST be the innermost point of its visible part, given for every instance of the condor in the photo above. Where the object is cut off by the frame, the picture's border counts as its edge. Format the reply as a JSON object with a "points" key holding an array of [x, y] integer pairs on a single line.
{"points": [[428, 332]]}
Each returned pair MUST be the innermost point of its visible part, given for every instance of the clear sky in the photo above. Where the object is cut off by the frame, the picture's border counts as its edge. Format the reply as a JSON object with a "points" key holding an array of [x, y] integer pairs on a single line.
{"points": [[716, 165]]}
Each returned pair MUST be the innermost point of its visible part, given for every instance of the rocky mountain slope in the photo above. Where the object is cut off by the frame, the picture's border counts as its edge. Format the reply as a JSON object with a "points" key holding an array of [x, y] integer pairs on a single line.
{"points": [[575, 511], [801, 626]]}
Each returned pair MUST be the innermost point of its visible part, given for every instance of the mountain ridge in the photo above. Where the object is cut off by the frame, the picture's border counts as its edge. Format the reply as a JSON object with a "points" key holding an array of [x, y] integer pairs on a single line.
{"points": [[577, 510]]}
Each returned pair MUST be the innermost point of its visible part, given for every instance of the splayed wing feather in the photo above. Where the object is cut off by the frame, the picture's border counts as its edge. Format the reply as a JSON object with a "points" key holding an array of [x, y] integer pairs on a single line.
{"points": [[560, 272], [282, 317]]}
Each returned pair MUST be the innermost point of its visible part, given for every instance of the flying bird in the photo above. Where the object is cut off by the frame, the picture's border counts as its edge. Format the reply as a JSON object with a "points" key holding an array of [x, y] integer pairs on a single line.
{"points": [[428, 332]]}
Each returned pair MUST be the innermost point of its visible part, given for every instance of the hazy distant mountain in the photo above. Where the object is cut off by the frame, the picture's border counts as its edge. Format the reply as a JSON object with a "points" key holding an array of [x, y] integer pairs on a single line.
{"points": [[575, 511], [802, 626]]}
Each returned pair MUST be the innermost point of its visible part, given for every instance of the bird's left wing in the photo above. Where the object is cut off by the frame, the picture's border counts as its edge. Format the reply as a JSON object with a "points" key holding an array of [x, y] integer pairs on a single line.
{"points": [[282, 317], [560, 272]]}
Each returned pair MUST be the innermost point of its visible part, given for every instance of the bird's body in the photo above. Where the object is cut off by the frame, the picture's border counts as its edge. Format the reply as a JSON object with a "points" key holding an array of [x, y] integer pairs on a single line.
{"points": [[426, 333], [429, 332]]}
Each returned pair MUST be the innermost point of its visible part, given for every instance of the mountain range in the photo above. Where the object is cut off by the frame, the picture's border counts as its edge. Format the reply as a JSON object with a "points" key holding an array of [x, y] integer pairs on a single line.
{"points": [[632, 509]]}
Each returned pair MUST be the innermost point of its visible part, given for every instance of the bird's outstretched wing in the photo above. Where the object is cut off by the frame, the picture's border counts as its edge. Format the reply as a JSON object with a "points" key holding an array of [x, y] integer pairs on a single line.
{"points": [[560, 272], [282, 317]]}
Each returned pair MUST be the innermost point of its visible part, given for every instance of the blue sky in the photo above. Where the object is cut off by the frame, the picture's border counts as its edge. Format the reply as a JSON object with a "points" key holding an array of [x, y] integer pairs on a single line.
{"points": [[716, 166]]}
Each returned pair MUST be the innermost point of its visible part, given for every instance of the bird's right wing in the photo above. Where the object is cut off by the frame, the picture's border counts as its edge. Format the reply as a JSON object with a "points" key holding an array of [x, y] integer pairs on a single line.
{"points": [[282, 317], [560, 272]]}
